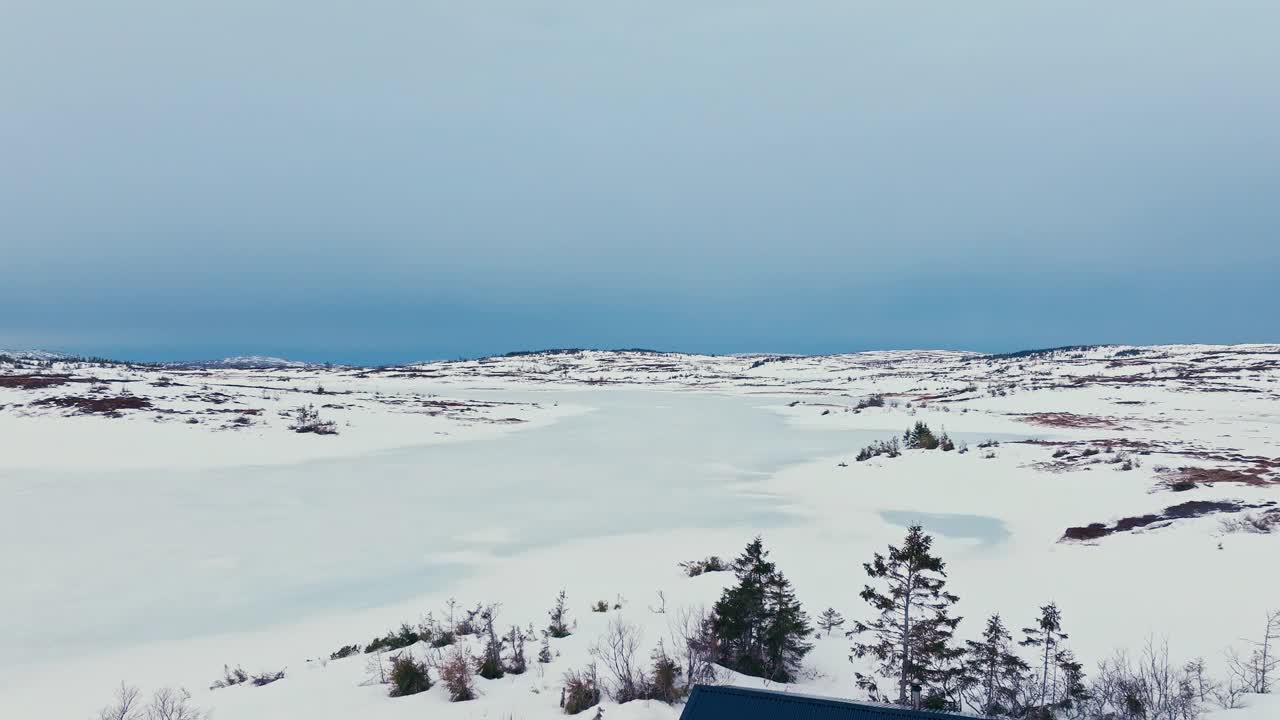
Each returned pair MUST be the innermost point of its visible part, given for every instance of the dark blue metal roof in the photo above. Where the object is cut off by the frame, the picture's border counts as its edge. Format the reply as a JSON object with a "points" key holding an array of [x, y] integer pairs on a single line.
{"points": [[722, 702]]}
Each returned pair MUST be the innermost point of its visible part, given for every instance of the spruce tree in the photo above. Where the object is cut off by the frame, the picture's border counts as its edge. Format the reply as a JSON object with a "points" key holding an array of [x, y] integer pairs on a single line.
{"points": [[1045, 636], [830, 620], [911, 637], [559, 625], [739, 614], [518, 662], [993, 671], [544, 651], [1071, 672], [490, 663], [786, 631], [759, 625]]}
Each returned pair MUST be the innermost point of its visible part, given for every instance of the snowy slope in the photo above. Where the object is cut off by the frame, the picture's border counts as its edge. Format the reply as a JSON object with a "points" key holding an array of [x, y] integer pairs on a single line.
{"points": [[161, 536]]}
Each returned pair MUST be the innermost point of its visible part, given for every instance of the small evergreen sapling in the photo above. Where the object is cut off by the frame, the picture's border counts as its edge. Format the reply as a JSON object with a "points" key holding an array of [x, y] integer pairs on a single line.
{"points": [[518, 663], [830, 620], [490, 665], [559, 625], [408, 676], [544, 651]]}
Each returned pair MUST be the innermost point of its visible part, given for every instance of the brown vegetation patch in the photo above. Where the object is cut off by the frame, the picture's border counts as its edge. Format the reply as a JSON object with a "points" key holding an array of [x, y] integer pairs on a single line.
{"points": [[1255, 476], [35, 382], [110, 406], [1182, 511], [1070, 420]]}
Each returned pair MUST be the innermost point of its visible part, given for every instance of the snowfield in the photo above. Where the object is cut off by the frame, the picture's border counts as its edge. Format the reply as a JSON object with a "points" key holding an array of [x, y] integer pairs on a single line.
{"points": [[160, 522]]}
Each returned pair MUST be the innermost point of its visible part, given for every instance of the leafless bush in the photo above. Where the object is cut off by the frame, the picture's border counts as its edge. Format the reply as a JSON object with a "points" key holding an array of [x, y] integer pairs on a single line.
{"points": [[581, 690], [1256, 671], [1257, 523], [173, 704], [695, 643], [166, 704], [1153, 688], [127, 705], [455, 673], [616, 651]]}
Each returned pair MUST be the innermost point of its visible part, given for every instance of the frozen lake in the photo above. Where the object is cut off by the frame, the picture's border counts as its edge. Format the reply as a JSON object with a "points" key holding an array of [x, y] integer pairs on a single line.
{"points": [[98, 561]]}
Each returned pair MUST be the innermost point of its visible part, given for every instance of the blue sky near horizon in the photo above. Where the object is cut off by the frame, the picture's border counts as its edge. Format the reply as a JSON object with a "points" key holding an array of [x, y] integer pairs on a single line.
{"points": [[381, 182]]}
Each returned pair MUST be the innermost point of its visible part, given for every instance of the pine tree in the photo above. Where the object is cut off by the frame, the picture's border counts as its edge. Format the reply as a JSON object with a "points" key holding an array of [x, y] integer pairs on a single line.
{"points": [[490, 662], [559, 626], [518, 663], [993, 671], [664, 685], [830, 620], [739, 614], [786, 631], [1072, 674], [911, 638], [544, 651], [1047, 635], [759, 625]]}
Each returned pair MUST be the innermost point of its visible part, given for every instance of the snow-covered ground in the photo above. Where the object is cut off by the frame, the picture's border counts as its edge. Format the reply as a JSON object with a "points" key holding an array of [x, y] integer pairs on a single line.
{"points": [[159, 523]]}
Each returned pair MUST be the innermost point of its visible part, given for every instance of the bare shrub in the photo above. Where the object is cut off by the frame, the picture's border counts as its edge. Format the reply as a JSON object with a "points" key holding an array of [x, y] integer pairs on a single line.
{"points": [[1258, 523], [1256, 671], [694, 640], [173, 704], [166, 704], [616, 651], [1153, 688], [581, 690], [455, 673], [127, 705]]}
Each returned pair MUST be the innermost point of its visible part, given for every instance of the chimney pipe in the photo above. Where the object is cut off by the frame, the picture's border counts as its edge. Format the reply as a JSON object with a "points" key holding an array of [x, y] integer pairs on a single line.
{"points": [[915, 696]]}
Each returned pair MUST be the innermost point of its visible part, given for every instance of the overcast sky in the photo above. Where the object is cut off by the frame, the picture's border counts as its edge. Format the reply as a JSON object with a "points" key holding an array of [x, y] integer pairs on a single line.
{"points": [[379, 181]]}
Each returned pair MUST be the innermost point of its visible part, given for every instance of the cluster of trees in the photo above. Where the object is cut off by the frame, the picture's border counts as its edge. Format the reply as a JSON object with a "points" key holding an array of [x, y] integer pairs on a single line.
{"points": [[306, 419], [917, 437], [912, 640], [758, 628], [920, 437]]}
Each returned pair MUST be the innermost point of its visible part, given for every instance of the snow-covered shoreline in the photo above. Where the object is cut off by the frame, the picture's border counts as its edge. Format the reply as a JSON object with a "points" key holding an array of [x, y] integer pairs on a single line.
{"points": [[729, 473]]}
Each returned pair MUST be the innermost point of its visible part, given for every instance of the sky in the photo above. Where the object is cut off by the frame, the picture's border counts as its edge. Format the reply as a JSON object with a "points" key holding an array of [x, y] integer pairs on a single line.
{"points": [[386, 181]]}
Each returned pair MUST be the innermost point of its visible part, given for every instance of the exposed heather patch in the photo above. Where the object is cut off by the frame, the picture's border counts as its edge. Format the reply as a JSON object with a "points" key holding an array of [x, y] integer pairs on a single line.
{"points": [[1182, 511]]}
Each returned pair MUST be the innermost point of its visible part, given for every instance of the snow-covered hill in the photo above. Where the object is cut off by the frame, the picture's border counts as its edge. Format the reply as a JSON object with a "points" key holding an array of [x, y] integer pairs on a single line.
{"points": [[170, 520]]}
